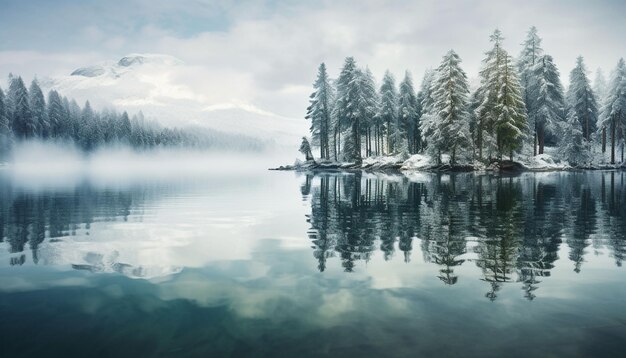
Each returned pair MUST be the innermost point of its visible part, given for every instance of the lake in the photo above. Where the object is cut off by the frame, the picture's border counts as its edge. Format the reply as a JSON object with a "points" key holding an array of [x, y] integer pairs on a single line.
{"points": [[287, 264]]}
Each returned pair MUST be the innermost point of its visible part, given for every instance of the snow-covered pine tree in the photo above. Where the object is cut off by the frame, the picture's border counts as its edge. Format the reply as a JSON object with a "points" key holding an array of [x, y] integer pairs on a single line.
{"points": [[109, 121], [486, 95], [86, 133], [137, 135], [378, 126], [368, 107], [389, 111], [425, 103], [346, 112], [97, 130], [528, 59], [5, 126], [474, 103], [548, 104], [305, 148], [599, 87], [55, 114], [320, 111], [511, 122], [73, 114], [573, 147], [38, 109], [408, 113], [613, 115], [19, 109], [124, 129], [451, 130], [581, 99]]}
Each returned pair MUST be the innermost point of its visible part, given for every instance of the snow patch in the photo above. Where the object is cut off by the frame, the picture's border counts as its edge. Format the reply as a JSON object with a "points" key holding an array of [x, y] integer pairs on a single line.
{"points": [[545, 162], [417, 162]]}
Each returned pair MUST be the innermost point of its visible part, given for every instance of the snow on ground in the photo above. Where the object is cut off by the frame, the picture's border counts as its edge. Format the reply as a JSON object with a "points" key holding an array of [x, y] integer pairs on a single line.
{"points": [[417, 162], [545, 162], [382, 161], [413, 165]]}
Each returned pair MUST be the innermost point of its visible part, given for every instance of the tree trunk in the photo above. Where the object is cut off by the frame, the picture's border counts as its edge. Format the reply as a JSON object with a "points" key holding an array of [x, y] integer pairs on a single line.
{"points": [[356, 137], [603, 140], [377, 140], [369, 142], [335, 143], [542, 139], [535, 144], [613, 141], [479, 142], [388, 136]]}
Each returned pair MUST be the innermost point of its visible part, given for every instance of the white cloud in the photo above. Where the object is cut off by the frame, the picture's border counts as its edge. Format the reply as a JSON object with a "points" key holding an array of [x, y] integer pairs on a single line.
{"points": [[267, 55]]}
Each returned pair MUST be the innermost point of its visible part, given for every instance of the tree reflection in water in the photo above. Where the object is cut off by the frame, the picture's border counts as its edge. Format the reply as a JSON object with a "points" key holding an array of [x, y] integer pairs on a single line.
{"points": [[512, 226]]}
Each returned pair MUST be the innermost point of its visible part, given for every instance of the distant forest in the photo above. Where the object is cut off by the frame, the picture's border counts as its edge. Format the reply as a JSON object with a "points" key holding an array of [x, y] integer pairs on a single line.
{"points": [[520, 105], [26, 114]]}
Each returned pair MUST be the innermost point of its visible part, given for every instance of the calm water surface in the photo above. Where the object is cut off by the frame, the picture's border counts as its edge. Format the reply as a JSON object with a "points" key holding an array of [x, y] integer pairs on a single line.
{"points": [[281, 264]]}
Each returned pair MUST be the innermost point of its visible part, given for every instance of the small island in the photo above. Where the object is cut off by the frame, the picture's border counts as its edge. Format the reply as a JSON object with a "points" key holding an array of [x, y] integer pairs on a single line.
{"points": [[519, 117]]}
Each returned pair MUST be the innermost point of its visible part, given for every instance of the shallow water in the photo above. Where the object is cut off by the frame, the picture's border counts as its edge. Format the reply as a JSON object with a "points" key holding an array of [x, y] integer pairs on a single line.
{"points": [[282, 264]]}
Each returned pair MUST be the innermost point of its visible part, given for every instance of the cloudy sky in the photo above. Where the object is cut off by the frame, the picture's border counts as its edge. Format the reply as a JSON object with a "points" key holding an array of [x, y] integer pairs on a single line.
{"points": [[264, 54]]}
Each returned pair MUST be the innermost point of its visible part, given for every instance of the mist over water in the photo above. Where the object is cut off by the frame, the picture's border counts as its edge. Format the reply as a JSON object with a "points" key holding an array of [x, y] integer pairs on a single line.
{"points": [[37, 164]]}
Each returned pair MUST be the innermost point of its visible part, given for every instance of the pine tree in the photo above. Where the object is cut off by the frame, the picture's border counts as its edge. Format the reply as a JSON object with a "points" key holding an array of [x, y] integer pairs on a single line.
{"points": [[346, 111], [320, 111], [57, 118], [368, 106], [599, 86], [425, 104], [73, 114], [581, 99], [388, 111], [124, 129], [38, 110], [19, 110], [511, 122], [5, 126], [487, 96], [451, 128], [109, 123], [86, 133], [573, 147], [548, 104], [305, 148], [613, 115], [527, 61], [408, 113]]}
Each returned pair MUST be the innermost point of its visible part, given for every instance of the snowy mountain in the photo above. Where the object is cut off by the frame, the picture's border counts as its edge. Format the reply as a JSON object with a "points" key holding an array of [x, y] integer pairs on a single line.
{"points": [[156, 85]]}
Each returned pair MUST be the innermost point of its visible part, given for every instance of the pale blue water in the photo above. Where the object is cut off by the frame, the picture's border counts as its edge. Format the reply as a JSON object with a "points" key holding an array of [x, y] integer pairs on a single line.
{"points": [[281, 264]]}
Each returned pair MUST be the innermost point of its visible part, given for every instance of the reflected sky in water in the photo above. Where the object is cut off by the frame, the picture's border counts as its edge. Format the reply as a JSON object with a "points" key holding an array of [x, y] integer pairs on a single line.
{"points": [[278, 263]]}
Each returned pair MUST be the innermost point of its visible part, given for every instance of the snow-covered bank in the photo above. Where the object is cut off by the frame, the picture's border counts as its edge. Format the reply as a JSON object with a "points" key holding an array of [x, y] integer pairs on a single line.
{"points": [[424, 163]]}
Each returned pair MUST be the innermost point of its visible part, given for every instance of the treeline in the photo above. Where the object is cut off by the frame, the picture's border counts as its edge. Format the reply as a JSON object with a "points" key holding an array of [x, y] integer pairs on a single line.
{"points": [[27, 114], [519, 103]]}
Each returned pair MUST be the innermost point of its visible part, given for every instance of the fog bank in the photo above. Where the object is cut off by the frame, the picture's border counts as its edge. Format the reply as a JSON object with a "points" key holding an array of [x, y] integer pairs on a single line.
{"points": [[35, 164]]}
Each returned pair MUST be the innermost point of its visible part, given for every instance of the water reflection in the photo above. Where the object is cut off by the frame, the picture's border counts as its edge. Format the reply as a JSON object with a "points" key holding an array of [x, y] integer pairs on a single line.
{"points": [[511, 227], [64, 227], [227, 268]]}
